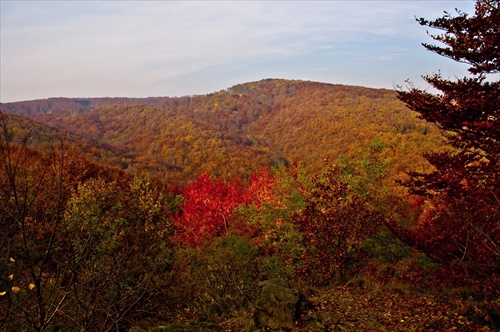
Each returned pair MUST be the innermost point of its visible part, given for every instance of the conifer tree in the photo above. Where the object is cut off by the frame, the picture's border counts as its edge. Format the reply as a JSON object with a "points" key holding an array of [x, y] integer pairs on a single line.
{"points": [[466, 180]]}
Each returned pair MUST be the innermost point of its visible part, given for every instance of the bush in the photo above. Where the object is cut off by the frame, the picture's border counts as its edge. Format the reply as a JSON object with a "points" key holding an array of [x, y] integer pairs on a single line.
{"points": [[214, 280], [335, 223]]}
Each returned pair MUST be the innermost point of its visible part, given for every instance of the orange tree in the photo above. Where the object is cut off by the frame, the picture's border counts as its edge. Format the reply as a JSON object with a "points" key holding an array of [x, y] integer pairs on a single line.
{"points": [[460, 221]]}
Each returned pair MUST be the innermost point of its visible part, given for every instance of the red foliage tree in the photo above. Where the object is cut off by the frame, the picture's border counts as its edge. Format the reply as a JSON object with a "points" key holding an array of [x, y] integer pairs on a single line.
{"points": [[207, 209], [209, 203]]}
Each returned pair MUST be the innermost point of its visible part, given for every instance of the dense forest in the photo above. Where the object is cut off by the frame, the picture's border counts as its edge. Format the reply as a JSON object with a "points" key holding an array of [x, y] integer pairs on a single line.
{"points": [[372, 209], [235, 131]]}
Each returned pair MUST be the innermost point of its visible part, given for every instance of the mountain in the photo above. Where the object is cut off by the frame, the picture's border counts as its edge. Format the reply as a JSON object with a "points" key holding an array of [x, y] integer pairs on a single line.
{"points": [[233, 131]]}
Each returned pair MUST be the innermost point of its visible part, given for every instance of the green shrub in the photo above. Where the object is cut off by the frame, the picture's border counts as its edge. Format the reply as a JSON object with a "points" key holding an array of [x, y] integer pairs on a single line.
{"points": [[214, 280]]}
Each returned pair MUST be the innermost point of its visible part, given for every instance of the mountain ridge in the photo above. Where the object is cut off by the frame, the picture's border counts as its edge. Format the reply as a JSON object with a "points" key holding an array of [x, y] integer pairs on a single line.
{"points": [[247, 126]]}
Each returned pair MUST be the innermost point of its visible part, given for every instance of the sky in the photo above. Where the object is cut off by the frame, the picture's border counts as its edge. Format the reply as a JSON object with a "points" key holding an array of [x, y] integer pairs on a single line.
{"points": [[176, 48]]}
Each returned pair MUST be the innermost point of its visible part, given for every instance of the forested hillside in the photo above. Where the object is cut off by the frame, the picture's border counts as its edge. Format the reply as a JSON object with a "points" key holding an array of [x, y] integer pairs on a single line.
{"points": [[245, 127], [276, 205], [172, 213]]}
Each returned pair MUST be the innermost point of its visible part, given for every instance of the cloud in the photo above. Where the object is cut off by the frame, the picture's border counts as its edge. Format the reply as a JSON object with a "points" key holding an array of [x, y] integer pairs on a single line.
{"points": [[140, 48]]}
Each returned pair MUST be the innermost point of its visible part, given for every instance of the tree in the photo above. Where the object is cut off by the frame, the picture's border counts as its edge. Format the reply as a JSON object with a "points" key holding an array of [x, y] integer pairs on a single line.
{"points": [[32, 196], [74, 254], [464, 188], [209, 203], [207, 209], [119, 246], [334, 223]]}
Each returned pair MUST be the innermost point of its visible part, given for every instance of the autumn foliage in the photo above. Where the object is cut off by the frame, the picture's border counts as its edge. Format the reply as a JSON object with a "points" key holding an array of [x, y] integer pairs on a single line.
{"points": [[208, 205], [70, 246], [335, 223], [459, 219], [207, 209], [123, 212], [232, 132]]}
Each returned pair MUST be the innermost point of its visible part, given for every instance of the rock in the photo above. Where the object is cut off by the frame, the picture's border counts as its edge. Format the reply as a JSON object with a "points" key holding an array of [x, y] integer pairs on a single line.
{"points": [[278, 307]]}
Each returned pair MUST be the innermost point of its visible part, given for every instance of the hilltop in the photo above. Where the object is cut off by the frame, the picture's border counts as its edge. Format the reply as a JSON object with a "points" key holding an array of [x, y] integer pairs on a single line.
{"points": [[170, 211], [236, 130]]}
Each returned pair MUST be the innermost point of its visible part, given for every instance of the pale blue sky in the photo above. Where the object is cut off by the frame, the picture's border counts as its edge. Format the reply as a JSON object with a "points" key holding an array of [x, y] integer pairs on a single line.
{"points": [[176, 48]]}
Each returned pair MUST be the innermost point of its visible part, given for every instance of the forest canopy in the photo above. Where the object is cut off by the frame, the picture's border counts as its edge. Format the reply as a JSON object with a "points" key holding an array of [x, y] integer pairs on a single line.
{"points": [[382, 207]]}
